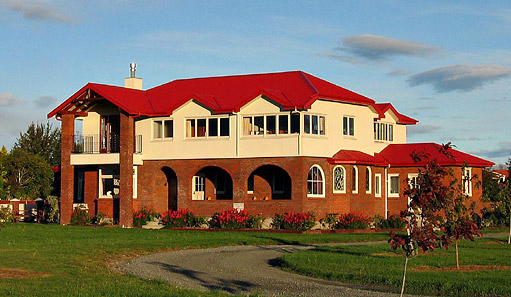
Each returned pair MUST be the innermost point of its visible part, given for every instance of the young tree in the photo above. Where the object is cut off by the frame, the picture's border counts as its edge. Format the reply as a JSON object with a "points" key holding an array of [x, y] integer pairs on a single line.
{"points": [[41, 139], [503, 199], [422, 216], [4, 188]]}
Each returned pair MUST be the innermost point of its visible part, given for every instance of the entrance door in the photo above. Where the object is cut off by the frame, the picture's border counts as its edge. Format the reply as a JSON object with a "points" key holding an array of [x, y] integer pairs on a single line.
{"points": [[171, 188], [198, 187]]}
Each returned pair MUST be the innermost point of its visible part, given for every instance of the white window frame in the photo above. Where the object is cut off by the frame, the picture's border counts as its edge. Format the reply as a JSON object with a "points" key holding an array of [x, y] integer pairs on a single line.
{"points": [[384, 131], [196, 197], [466, 181], [135, 181], [206, 135], [377, 185], [354, 179], [313, 195], [162, 120], [318, 116], [389, 185], [411, 176], [102, 176], [369, 179], [343, 182], [348, 126]]}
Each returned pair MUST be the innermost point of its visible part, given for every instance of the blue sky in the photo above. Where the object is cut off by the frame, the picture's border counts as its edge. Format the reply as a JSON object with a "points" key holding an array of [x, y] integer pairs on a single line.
{"points": [[445, 63]]}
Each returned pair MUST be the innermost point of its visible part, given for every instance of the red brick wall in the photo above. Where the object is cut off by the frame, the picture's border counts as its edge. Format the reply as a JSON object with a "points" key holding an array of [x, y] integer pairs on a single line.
{"points": [[67, 170], [127, 145]]}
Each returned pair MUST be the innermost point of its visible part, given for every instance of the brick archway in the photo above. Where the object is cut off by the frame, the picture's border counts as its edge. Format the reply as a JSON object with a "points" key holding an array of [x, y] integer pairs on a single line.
{"points": [[172, 187], [270, 182]]}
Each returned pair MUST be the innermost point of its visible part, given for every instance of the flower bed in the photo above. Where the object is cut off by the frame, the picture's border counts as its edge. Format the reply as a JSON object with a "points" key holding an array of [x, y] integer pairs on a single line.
{"points": [[294, 221], [181, 218]]}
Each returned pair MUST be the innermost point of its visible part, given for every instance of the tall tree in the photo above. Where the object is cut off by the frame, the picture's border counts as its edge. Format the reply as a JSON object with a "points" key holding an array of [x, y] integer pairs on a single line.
{"points": [[4, 186], [41, 139], [29, 176]]}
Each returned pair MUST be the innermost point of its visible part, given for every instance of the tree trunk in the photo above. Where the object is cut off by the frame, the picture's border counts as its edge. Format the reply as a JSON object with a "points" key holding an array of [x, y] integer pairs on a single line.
{"points": [[404, 277], [457, 256]]}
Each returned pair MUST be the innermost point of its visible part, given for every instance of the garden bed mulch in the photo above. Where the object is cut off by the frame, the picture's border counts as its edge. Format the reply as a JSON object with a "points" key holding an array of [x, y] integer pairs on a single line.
{"points": [[288, 231]]}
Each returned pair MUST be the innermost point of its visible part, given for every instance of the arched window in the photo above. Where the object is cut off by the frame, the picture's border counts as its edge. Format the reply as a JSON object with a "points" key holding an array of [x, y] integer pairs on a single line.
{"points": [[354, 179], [315, 182], [368, 180], [339, 177]]}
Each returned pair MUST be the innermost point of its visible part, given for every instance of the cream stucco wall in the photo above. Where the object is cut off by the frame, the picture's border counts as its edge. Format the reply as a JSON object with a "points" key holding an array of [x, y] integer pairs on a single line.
{"points": [[238, 145]]}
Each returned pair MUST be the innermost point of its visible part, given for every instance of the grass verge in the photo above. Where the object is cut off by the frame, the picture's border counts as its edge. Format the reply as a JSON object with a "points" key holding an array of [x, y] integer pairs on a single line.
{"points": [[380, 267], [53, 260]]}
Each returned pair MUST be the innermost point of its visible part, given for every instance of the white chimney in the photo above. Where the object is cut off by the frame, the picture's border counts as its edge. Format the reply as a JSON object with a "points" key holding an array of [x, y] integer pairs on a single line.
{"points": [[133, 82]]}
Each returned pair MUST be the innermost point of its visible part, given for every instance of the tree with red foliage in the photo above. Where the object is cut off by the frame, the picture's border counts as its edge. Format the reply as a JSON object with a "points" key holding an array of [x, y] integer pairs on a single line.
{"points": [[433, 205]]}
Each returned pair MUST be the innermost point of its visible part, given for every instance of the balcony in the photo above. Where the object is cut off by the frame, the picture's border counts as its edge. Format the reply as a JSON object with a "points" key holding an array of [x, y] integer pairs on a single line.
{"points": [[94, 144]]}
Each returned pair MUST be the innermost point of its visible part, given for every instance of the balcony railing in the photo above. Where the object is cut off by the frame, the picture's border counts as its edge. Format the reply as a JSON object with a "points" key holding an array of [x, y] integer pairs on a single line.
{"points": [[94, 144]]}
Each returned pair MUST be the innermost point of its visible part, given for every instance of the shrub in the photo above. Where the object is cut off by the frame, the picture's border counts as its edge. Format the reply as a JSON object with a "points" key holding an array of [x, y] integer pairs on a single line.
{"points": [[494, 217], [231, 219], [99, 219], [51, 209], [181, 218], [141, 217], [392, 222], [6, 215], [294, 221], [329, 221], [352, 221], [80, 217]]}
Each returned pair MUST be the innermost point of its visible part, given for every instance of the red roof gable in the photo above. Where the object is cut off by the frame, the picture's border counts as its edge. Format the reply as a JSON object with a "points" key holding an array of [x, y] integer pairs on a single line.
{"points": [[400, 155], [504, 172], [382, 108], [292, 90]]}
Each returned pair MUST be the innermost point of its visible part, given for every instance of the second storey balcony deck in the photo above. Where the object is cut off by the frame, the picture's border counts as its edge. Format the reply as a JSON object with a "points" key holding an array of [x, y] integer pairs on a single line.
{"points": [[93, 149]]}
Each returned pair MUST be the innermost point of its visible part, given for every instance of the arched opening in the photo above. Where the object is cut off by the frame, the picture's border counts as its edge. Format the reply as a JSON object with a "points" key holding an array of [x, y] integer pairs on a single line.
{"points": [[171, 187], [269, 182], [212, 183]]}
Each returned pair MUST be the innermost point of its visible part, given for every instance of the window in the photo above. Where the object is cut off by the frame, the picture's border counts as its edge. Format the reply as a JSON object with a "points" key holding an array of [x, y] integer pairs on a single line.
{"points": [[135, 179], [163, 129], [283, 124], [295, 123], [383, 132], [377, 185], [314, 124], [198, 187], [108, 182], [315, 182], [339, 180], [368, 180], [393, 185], [467, 181], [348, 126], [354, 179], [413, 180], [210, 127], [213, 127], [271, 125]]}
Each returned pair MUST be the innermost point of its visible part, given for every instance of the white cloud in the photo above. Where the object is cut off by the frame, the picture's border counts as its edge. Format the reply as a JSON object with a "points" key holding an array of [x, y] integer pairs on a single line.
{"points": [[36, 11], [461, 77], [503, 150], [379, 48], [9, 99]]}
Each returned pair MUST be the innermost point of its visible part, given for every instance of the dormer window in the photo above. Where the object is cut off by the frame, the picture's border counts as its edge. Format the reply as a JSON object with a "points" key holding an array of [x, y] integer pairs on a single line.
{"points": [[383, 132]]}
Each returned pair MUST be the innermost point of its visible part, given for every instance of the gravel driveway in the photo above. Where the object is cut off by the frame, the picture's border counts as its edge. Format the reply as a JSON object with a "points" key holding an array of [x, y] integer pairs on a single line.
{"points": [[239, 270]]}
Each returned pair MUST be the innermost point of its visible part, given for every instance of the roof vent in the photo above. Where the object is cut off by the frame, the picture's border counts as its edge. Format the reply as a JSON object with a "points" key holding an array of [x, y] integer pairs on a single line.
{"points": [[133, 82]]}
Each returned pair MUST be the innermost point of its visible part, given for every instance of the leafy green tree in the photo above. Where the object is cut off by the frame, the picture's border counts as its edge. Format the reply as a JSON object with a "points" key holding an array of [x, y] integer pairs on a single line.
{"points": [[29, 176], [4, 186], [490, 186], [41, 139]]}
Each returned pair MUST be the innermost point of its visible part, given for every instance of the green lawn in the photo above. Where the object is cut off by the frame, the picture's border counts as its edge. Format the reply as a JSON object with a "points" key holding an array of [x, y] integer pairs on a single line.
{"points": [[75, 258], [382, 268]]}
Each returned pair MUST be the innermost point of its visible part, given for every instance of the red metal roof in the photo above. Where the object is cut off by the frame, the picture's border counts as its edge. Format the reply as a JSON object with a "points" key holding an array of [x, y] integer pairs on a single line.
{"points": [[356, 157], [381, 108], [225, 94], [399, 155], [504, 172]]}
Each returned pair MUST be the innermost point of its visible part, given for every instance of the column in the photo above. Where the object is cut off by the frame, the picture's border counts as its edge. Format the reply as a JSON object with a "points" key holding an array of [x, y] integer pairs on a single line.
{"points": [[126, 169], [66, 169]]}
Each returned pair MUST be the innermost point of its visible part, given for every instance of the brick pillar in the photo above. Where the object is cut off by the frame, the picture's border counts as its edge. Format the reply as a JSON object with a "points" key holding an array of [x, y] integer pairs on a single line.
{"points": [[126, 170], [67, 170]]}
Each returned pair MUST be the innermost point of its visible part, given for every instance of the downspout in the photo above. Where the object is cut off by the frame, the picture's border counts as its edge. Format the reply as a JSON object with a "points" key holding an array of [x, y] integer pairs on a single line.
{"points": [[237, 134], [386, 191], [299, 133]]}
